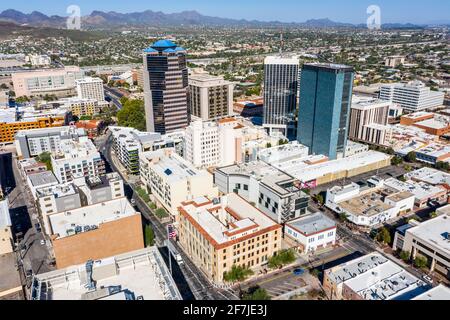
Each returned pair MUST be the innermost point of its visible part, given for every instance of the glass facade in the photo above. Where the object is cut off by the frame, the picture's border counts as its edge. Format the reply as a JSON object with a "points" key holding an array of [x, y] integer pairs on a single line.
{"points": [[325, 100]]}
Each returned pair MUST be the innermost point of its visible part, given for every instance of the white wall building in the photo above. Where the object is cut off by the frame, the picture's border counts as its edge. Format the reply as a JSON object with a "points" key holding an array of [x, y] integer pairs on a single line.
{"points": [[412, 96], [172, 180], [211, 144], [90, 88], [369, 207], [40, 60], [31, 143], [271, 190], [77, 158], [313, 232], [6, 237]]}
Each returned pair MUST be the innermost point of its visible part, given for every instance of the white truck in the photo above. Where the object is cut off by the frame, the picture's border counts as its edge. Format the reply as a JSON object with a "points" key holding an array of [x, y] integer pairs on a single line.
{"points": [[175, 253]]}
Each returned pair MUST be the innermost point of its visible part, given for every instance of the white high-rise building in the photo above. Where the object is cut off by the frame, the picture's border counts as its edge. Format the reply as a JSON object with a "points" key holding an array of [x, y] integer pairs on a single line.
{"points": [[281, 76], [412, 96], [211, 97], [90, 88], [210, 144]]}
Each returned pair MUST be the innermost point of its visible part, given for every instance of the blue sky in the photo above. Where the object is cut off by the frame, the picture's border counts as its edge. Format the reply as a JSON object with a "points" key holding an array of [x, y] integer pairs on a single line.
{"points": [[354, 11]]}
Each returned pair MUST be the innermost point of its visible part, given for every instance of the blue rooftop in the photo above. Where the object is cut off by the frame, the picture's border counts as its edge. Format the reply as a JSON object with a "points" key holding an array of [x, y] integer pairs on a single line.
{"points": [[169, 50], [150, 50], [179, 49], [161, 44]]}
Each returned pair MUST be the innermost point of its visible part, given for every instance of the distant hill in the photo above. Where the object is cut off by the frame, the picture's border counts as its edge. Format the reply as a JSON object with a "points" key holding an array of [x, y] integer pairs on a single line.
{"points": [[149, 18], [9, 29]]}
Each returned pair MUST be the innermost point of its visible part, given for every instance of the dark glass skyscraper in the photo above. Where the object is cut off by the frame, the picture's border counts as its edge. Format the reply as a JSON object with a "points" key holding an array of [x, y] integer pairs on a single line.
{"points": [[280, 93], [325, 101], [166, 87]]}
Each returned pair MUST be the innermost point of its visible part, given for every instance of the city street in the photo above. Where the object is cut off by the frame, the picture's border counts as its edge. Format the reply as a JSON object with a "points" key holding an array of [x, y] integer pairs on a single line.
{"points": [[199, 285]]}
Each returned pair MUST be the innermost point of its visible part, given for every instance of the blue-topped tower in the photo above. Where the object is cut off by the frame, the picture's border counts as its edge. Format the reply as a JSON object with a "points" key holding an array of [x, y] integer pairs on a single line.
{"points": [[324, 110], [166, 87]]}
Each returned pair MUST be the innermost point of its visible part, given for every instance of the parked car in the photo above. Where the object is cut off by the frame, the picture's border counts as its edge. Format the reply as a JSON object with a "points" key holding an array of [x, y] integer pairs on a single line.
{"points": [[428, 279], [299, 272], [43, 242]]}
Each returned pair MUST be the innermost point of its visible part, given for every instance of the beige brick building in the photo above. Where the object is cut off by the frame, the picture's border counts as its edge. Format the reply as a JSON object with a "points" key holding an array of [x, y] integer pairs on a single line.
{"points": [[224, 232]]}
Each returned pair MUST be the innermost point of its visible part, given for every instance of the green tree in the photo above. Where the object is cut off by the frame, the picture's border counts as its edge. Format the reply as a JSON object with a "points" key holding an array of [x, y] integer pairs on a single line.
{"points": [[433, 215], [149, 236], [282, 258], [161, 213], [132, 115], [22, 99], [86, 118], [440, 165], [237, 274], [258, 294], [268, 145], [420, 262], [319, 199], [343, 217], [411, 157], [405, 255], [396, 161], [45, 157], [384, 236], [123, 100]]}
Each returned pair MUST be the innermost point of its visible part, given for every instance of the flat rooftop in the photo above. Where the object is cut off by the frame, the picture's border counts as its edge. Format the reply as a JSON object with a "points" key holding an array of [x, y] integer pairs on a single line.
{"points": [[312, 223], [273, 178], [429, 175], [435, 231], [367, 204], [5, 218], [436, 123], [136, 275], [227, 217], [85, 219], [43, 178], [59, 191], [441, 292], [368, 103], [284, 152], [79, 148], [9, 276], [435, 150], [373, 277], [420, 190], [170, 165], [304, 172]]}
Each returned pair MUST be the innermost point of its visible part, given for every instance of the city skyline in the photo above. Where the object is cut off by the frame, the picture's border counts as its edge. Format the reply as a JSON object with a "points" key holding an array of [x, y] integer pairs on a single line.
{"points": [[292, 11]]}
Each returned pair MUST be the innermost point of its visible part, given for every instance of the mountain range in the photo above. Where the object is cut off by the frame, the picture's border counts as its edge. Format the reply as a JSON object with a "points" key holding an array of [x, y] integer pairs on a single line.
{"points": [[149, 18]]}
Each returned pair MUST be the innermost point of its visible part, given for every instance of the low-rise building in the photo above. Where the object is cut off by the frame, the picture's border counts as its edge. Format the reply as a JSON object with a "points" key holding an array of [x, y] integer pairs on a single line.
{"points": [[431, 239], [172, 180], [429, 175], [81, 192], [84, 107], [30, 166], [217, 234], [372, 277], [314, 170], [431, 123], [312, 232], [440, 293], [369, 207], [95, 232], [41, 180], [433, 153], [6, 236], [77, 158], [33, 142], [423, 192], [135, 275], [274, 192]]}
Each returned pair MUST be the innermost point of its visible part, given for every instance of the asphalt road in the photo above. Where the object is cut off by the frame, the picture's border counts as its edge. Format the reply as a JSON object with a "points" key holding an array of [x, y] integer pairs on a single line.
{"points": [[32, 254], [114, 95], [199, 286]]}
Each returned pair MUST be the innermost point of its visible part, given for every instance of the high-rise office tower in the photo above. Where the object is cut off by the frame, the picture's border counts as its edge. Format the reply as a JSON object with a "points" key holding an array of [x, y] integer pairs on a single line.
{"points": [[325, 101], [165, 87], [281, 76]]}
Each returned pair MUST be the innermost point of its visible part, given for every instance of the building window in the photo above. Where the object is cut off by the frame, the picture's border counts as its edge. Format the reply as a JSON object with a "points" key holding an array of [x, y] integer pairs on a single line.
{"points": [[245, 187]]}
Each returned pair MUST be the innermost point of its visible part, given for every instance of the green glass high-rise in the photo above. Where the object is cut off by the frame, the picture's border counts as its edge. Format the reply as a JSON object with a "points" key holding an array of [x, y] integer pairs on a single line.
{"points": [[324, 111]]}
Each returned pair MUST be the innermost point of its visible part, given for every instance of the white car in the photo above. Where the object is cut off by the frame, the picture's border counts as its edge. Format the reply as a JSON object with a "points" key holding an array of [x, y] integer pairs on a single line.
{"points": [[43, 242], [428, 279]]}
